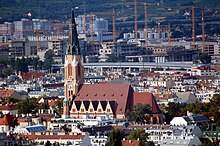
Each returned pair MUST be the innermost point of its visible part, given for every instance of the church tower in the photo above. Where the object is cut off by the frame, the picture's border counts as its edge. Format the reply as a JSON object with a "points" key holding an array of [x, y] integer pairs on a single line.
{"points": [[73, 68]]}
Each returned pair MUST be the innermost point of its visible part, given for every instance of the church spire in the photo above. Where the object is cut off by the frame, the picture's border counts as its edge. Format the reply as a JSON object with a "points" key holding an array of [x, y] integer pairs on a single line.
{"points": [[73, 46]]}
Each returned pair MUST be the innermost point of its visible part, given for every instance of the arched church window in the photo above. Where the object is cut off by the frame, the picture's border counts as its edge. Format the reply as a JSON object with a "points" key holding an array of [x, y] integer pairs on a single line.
{"points": [[69, 70]]}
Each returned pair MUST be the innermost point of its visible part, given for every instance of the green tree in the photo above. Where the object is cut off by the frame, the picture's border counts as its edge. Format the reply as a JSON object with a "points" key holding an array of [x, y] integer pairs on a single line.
{"points": [[215, 99], [149, 143], [140, 113], [48, 143], [48, 59], [26, 106], [15, 123], [139, 134], [59, 105], [114, 138], [205, 58]]}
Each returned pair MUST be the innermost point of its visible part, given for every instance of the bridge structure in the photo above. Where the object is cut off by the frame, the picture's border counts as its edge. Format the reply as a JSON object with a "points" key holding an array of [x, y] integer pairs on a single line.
{"points": [[129, 66]]}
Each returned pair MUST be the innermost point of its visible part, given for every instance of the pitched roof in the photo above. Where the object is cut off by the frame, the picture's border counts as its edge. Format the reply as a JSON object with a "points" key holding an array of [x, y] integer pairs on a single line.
{"points": [[32, 75], [146, 98], [8, 107], [6, 93], [106, 92], [130, 142], [6, 120], [54, 137]]}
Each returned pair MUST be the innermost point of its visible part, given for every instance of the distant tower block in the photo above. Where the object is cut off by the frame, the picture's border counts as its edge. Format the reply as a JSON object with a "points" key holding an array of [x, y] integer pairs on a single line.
{"points": [[73, 68]]}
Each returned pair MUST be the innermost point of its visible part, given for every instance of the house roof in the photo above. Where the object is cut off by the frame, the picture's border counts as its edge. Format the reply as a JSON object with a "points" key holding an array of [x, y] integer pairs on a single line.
{"points": [[118, 93], [6, 120], [8, 107], [32, 75], [146, 98], [54, 137], [6, 93], [130, 142]]}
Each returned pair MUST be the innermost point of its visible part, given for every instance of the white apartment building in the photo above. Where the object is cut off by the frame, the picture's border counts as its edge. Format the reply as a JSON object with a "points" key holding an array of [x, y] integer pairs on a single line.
{"points": [[183, 136]]}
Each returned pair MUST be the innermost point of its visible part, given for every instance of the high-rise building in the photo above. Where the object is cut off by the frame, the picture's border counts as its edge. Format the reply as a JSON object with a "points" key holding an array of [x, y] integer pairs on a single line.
{"points": [[23, 28]]}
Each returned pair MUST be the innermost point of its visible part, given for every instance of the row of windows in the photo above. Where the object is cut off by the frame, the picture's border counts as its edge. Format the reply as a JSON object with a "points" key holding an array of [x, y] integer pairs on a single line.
{"points": [[91, 110]]}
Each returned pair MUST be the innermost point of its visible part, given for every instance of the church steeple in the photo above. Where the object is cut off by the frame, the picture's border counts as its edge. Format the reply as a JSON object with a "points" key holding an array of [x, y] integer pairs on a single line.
{"points": [[73, 66], [73, 46]]}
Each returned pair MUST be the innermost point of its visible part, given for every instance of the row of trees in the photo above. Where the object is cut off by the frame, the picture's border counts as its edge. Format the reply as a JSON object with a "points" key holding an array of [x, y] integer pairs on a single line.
{"points": [[208, 109], [23, 63], [116, 136]]}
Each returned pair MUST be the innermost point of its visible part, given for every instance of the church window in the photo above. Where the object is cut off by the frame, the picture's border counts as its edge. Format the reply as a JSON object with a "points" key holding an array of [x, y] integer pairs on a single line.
{"points": [[79, 70], [69, 70], [82, 110], [108, 110]]}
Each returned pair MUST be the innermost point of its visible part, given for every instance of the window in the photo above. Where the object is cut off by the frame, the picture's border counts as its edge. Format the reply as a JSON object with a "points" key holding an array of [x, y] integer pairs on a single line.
{"points": [[99, 110], [91, 110], [82, 110], [108, 110], [69, 70]]}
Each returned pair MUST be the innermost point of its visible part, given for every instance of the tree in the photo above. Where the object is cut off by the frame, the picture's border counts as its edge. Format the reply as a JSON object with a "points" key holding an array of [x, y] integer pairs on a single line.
{"points": [[59, 105], [114, 138], [149, 143], [205, 58], [215, 98], [21, 65], [140, 113], [48, 59], [47, 143], [26, 106], [139, 134]]}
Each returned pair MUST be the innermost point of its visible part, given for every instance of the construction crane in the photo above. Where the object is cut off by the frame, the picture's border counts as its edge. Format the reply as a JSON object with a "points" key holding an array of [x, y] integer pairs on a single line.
{"points": [[113, 22], [146, 26], [169, 42], [193, 28], [203, 32], [113, 27], [84, 27], [91, 33], [158, 29], [135, 22]]}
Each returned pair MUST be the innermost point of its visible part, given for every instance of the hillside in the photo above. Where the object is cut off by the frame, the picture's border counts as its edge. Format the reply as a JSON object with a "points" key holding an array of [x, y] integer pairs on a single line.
{"points": [[60, 9]]}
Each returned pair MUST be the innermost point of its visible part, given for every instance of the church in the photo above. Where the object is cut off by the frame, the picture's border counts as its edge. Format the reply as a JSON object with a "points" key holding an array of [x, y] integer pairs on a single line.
{"points": [[97, 99]]}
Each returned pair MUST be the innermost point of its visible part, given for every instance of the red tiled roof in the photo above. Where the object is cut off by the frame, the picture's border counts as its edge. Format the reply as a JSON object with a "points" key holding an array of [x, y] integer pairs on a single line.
{"points": [[54, 137], [51, 103], [6, 93], [131, 142], [6, 120], [46, 117], [32, 75], [119, 93], [146, 98], [21, 119], [8, 107]]}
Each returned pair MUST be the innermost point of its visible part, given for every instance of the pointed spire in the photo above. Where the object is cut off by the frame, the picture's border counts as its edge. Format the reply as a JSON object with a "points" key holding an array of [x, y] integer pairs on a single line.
{"points": [[73, 46]]}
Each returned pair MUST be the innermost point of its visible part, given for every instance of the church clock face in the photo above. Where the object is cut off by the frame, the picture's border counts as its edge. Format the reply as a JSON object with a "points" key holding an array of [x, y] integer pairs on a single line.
{"points": [[70, 87]]}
